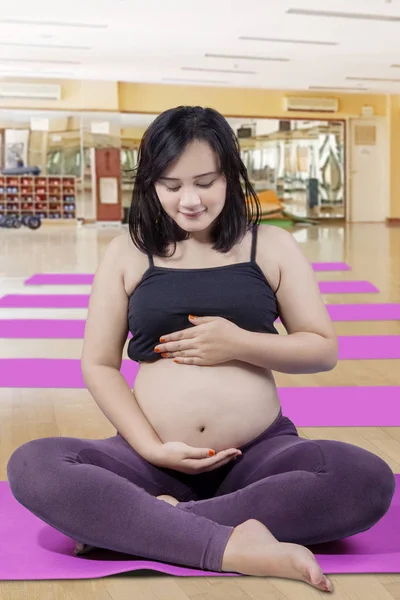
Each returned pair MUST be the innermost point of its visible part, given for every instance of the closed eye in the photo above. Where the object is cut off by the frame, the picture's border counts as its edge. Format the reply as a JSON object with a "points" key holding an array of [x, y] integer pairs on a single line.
{"points": [[200, 185], [205, 185]]}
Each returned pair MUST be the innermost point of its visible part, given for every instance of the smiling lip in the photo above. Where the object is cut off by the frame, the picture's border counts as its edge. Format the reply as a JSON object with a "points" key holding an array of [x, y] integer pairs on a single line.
{"points": [[192, 215]]}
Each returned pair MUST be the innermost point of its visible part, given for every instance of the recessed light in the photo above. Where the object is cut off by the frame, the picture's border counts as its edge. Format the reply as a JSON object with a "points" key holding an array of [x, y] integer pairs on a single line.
{"points": [[183, 80], [372, 79], [39, 61], [338, 88], [242, 57], [26, 45], [286, 41], [53, 23], [203, 70], [341, 15]]}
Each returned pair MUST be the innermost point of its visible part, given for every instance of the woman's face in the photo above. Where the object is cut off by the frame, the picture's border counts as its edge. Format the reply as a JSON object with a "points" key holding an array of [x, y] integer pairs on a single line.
{"points": [[192, 191]]}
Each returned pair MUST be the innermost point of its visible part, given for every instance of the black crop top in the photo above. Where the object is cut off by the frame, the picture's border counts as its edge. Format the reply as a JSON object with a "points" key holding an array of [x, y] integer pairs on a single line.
{"points": [[165, 297]]}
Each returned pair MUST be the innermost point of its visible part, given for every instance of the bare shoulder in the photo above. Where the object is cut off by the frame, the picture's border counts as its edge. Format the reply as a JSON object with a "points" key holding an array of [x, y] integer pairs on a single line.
{"points": [[129, 259], [274, 246], [276, 240]]}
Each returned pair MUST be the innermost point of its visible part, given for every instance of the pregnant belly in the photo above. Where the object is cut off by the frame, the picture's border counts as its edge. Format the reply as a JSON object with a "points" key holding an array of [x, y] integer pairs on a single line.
{"points": [[216, 407]]}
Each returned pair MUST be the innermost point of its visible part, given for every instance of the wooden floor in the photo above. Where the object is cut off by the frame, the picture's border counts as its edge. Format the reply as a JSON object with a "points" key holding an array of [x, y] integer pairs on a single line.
{"points": [[372, 250]]}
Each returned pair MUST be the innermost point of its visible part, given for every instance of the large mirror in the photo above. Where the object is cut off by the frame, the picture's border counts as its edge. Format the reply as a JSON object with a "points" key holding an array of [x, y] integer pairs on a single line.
{"points": [[296, 166]]}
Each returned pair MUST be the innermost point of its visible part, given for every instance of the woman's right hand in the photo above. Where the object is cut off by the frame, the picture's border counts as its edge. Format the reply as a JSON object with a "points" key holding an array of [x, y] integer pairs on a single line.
{"points": [[187, 459]]}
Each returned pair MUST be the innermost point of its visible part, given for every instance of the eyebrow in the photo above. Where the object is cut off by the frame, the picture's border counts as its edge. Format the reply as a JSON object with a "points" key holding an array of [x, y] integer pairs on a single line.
{"points": [[194, 177]]}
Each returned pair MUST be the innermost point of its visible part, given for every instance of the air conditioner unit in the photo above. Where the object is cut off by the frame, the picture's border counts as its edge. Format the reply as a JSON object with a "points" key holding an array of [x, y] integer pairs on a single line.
{"points": [[298, 104], [30, 91]]}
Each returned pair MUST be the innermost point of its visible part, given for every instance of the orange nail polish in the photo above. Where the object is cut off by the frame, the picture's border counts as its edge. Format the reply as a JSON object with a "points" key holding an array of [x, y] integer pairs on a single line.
{"points": [[192, 317], [177, 361], [211, 452], [162, 340], [157, 350], [164, 354]]}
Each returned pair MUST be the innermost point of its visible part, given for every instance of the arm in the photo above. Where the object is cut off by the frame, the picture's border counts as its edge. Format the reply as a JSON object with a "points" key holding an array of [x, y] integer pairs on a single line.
{"points": [[311, 343], [105, 336]]}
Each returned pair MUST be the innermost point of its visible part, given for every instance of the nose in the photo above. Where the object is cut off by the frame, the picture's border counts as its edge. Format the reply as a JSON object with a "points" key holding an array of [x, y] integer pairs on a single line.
{"points": [[189, 200]]}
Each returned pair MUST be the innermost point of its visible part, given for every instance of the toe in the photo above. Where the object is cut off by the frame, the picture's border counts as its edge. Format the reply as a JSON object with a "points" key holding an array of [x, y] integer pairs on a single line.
{"points": [[78, 548], [316, 577], [81, 549], [322, 583]]}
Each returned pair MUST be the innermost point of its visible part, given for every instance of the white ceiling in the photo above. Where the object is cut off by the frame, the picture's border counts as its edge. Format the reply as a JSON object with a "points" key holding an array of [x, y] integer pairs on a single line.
{"points": [[166, 41]]}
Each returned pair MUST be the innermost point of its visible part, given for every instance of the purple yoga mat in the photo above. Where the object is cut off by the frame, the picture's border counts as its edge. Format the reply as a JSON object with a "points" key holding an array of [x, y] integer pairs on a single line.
{"points": [[342, 406], [33, 550], [351, 347], [87, 278]]}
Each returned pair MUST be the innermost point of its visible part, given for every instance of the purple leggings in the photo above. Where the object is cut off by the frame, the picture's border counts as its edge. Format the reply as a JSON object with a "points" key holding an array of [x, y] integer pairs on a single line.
{"points": [[102, 493]]}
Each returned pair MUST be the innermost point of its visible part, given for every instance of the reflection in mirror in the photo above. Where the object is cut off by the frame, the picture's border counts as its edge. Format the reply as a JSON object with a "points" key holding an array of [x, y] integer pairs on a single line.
{"points": [[296, 166]]}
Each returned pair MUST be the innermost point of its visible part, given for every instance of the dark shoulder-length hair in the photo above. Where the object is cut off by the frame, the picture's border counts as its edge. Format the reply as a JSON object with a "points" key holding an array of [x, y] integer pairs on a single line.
{"points": [[150, 228]]}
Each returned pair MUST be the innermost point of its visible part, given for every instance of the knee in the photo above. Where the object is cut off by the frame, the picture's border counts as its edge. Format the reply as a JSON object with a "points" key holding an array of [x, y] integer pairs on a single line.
{"points": [[24, 469], [384, 488], [376, 488]]}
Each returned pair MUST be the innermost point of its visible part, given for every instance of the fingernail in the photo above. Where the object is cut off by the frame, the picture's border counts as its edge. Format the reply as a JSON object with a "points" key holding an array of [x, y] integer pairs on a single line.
{"points": [[157, 350], [164, 354], [211, 452], [162, 340], [192, 317]]}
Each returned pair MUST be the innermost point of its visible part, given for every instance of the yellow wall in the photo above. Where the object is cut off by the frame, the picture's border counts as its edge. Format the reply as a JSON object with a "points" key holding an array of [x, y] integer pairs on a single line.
{"points": [[394, 124], [149, 98]]}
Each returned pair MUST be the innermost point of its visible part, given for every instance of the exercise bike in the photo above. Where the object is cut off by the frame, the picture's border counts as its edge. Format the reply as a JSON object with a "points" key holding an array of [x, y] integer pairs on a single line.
{"points": [[13, 222]]}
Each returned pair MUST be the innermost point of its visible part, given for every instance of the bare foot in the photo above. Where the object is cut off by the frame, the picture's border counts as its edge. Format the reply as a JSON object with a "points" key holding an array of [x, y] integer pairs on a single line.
{"points": [[253, 550], [169, 499]]}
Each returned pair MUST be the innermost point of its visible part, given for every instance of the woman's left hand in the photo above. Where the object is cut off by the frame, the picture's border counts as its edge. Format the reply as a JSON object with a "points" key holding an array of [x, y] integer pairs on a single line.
{"points": [[212, 341]]}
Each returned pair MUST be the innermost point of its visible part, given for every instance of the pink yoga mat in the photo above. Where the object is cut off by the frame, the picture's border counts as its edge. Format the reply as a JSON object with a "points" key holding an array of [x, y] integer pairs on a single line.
{"points": [[342, 406], [337, 312], [33, 550], [364, 312], [351, 347], [82, 300], [87, 278]]}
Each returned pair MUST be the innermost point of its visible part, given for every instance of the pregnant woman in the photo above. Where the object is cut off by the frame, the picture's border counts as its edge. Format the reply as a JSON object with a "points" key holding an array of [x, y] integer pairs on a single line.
{"points": [[204, 471]]}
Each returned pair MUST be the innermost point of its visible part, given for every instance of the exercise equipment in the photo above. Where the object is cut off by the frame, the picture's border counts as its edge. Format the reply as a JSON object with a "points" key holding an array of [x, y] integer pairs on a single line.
{"points": [[14, 222]]}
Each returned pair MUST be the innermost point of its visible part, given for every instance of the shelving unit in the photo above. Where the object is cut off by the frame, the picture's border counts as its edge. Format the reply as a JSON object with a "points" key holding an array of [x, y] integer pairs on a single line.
{"points": [[48, 197]]}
